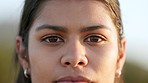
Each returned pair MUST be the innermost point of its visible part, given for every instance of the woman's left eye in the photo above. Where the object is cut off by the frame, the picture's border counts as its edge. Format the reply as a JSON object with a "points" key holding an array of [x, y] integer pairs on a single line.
{"points": [[94, 39], [51, 39]]}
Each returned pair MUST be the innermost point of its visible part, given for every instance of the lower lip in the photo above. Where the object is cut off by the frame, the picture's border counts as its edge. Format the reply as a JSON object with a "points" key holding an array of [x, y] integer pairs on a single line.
{"points": [[71, 82]]}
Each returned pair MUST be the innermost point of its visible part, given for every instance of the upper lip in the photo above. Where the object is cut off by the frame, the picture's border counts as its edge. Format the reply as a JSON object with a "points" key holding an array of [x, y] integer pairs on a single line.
{"points": [[74, 79]]}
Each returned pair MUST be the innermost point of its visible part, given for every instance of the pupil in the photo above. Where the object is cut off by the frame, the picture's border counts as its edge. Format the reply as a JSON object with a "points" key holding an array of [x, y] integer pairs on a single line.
{"points": [[94, 39], [53, 39]]}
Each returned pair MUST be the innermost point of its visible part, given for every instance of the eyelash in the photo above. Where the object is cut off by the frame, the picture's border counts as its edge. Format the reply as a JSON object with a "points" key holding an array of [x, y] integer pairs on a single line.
{"points": [[52, 39], [95, 39], [57, 39]]}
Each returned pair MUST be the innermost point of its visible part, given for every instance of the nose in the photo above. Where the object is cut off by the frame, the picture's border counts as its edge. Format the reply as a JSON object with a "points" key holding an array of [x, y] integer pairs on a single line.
{"points": [[74, 55]]}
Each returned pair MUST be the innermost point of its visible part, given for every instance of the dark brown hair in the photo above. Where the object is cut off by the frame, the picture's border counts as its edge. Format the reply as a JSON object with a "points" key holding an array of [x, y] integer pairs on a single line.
{"points": [[32, 8]]}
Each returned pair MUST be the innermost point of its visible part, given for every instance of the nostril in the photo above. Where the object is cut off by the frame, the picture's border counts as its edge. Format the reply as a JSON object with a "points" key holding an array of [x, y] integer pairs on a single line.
{"points": [[81, 63], [74, 62], [67, 63]]}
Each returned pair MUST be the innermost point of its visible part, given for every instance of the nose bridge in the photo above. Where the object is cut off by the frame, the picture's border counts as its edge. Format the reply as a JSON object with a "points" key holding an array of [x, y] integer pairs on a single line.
{"points": [[76, 48], [74, 54]]}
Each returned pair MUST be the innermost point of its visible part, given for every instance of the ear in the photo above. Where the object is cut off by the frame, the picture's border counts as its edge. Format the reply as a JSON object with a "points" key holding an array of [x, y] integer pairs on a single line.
{"points": [[122, 55], [22, 53]]}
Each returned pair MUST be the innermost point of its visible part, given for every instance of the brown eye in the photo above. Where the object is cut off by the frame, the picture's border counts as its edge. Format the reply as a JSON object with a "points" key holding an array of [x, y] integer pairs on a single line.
{"points": [[52, 39], [94, 39]]}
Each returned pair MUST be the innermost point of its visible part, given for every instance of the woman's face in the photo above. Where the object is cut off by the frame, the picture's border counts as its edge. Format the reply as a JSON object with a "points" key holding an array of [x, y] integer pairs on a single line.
{"points": [[73, 41]]}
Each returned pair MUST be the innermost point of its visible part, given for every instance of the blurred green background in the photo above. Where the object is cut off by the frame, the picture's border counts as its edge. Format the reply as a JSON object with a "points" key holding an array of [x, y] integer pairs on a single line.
{"points": [[134, 13]]}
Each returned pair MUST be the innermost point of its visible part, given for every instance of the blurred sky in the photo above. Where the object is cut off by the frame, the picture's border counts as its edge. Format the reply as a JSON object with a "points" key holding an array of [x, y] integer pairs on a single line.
{"points": [[135, 20]]}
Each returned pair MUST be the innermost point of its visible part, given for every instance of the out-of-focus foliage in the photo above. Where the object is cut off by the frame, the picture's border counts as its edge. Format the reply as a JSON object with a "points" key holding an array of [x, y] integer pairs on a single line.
{"points": [[6, 69], [7, 39], [134, 74]]}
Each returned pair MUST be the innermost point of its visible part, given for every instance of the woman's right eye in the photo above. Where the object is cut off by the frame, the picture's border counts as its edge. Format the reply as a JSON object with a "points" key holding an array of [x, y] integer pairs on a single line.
{"points": [[52, 39]]}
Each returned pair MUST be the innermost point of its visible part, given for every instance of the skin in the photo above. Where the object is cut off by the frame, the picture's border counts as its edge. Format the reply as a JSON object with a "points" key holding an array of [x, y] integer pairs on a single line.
{"points": [[72, 38]]}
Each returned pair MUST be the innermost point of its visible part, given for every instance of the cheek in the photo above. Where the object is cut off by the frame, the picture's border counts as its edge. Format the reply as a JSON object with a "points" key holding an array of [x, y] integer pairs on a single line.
{"points": [[40, 55], [43, 62], [103, 60]]}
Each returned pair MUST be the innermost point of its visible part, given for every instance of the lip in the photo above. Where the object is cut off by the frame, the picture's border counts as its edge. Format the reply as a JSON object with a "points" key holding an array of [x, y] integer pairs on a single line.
{"points": [[72, 79]]}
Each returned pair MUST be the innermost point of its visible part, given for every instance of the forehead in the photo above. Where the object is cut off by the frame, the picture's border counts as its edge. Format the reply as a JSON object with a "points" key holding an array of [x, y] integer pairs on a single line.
{"points": [[74, 12]]}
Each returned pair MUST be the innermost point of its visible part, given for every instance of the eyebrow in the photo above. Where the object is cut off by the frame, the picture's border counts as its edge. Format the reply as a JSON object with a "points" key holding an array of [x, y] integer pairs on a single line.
{"points": [[52, 27], [64, 29], [92, 28]]}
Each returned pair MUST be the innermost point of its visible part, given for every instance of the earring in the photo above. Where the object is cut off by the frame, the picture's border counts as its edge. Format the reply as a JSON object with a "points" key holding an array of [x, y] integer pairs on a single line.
{"points": [[118, 74], [25, 73]]}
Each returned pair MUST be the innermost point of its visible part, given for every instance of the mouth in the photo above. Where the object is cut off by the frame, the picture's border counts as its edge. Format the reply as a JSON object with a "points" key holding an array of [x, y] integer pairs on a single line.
{"points": [[70, 79]]}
